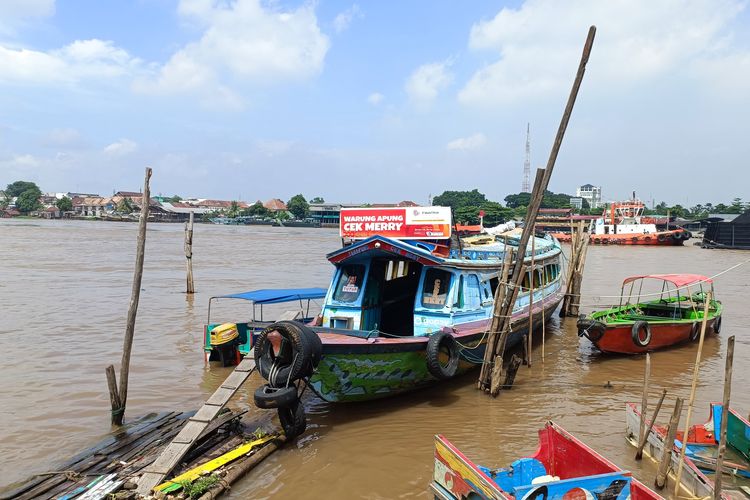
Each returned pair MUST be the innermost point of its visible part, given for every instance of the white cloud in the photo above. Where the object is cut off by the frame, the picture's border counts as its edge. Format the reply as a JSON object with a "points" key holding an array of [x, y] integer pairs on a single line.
{"points": [[539, 44], [244, 42], [375, 98], [81, 60], [14, 13], [470, 143], [426, 82], [344, 19], [121, 148]]}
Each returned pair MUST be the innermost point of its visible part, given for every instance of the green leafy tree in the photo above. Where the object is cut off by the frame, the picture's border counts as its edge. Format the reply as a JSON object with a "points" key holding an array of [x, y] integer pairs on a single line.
{"points": [[65, 204], [19, 187], [174, 199], [317, 199], [298, 206], [459, 199], [125, 206], [737, 207], [722, 209], [28, 201], [282, 215], [234, 209], [257, 209]]}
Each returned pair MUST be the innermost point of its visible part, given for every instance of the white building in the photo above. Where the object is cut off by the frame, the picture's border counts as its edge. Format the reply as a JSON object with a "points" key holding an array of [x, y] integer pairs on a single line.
{"points": [[592, 194]]}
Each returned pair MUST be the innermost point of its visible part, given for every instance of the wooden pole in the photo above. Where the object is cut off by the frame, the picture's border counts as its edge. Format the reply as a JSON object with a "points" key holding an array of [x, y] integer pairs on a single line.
{"points": [[532, 275], [119, 411], [189, 253], [644, 398], [494, 331], [696, 369], [543, 332], [666, 457], [543, 177], [724, 416], [644, 438]]}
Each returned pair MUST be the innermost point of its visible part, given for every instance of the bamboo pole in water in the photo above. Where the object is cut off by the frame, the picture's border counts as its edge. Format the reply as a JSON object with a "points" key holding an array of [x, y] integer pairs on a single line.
{"points": [[644, 438], [533, 210], [666, 457], [696, 369], [644, 398], [724, 417], [121, 400], [532, 274], [189, 253]]}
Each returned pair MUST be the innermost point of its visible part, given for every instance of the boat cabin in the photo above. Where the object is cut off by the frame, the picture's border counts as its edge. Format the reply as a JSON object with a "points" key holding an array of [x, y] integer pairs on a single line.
{"points": [[397, 288]]}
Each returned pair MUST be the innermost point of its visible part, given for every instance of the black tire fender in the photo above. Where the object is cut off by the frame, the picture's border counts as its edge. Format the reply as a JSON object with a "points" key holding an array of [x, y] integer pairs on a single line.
{"points": [[267, 397], [441, 342], [292, 362], [677, 236], [662, 238], [639, 326], [590, 328], [313, 341], [695, 332], [717, 324], [293, 420]]}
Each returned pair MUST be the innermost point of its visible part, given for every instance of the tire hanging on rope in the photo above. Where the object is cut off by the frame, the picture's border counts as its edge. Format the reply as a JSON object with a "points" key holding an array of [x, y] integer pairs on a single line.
{"points": [[440, 346]]}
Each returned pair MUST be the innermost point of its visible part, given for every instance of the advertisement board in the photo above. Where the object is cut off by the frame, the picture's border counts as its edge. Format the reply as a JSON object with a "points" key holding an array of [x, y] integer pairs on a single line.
{"points": [[404, 223]]}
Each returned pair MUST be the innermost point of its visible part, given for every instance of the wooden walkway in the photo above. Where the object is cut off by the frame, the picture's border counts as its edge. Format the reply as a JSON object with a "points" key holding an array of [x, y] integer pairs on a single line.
{"points": [[196, 425]]}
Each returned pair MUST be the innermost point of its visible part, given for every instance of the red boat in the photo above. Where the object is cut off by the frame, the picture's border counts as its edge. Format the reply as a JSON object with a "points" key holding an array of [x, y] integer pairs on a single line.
{"points": [[623, 223], [562, 468], [669, 317]]}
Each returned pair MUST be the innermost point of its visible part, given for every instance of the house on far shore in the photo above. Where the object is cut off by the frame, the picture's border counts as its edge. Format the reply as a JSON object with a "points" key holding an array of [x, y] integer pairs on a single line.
{"points": [[7, 213], [275, 205]]}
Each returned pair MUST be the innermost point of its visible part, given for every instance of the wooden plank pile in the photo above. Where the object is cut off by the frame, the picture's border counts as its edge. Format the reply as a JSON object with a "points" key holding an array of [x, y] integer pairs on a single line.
{"points": [[125, 454]]}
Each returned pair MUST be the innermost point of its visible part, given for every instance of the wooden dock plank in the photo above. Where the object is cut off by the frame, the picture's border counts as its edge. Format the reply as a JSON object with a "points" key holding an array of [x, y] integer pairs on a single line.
{"points": [[186, 438]]}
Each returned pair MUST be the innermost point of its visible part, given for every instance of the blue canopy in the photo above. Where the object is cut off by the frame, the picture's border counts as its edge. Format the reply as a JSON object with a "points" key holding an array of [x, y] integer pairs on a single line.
{"points": [[278, 295]]}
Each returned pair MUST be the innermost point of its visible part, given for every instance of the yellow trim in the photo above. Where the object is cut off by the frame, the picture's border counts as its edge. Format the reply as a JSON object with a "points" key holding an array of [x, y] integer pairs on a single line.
{"points": [[216, 462]]}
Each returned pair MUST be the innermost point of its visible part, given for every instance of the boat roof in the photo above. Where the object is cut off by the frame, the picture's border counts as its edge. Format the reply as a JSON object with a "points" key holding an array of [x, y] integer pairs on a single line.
{"points": [[277, 295], [471, 256], [679, 280]]}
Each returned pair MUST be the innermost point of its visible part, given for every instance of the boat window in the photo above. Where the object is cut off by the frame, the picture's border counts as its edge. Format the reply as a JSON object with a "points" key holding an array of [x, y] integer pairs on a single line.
{"points": [[396, 269], [472, 294], [435, 288], [494, 282], [459, 303], [350, 283]]}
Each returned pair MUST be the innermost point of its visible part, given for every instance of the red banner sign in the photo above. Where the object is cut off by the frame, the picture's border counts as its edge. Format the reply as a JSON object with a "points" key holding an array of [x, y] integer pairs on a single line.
{"points": [[405, 223]]}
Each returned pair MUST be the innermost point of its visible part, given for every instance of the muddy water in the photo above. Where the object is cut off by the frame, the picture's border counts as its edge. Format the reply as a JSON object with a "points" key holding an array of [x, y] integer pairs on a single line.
{"points": [[64, 291]]}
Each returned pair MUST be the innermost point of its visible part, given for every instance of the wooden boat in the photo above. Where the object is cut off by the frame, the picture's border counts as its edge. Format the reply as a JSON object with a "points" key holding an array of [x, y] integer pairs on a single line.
{"points": [[670, 317], [562, 467], [702, 445], [402, 313]]}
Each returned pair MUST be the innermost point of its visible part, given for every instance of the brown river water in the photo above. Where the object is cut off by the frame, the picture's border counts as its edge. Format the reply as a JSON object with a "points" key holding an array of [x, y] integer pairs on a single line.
{"points": [[64, 293]]}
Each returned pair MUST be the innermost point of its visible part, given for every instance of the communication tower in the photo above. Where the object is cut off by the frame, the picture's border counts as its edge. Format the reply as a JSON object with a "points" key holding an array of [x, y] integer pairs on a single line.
{"points": [[526, 186]]}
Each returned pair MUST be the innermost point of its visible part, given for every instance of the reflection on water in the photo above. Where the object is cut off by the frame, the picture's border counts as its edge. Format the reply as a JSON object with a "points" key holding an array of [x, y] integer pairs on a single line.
{"points": [[64, 291]]}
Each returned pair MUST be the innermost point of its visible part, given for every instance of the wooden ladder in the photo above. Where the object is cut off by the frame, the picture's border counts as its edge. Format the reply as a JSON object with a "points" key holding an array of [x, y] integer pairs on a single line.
{"points": [[186, 438]]}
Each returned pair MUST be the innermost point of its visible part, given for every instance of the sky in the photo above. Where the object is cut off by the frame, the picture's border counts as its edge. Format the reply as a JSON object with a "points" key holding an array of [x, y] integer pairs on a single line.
{"points": [[374, 101]]}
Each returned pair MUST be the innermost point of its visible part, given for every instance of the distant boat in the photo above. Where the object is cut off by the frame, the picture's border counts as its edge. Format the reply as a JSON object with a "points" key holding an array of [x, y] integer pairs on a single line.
{"points": [[623, 223], [562, 468], [639, 325]]}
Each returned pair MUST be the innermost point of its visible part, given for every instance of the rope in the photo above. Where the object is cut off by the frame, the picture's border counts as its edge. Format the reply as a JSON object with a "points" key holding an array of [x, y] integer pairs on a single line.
{"points": [[707, 280]]}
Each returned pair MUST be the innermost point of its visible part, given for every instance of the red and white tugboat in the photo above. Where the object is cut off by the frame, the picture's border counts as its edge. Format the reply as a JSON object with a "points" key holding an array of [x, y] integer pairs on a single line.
{"points": [[622, 223]]}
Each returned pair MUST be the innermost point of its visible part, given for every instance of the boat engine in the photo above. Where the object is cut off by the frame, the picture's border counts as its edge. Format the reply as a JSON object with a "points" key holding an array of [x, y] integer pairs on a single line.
{"points": [[225, 340]]}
